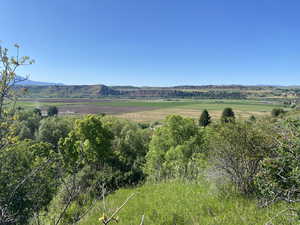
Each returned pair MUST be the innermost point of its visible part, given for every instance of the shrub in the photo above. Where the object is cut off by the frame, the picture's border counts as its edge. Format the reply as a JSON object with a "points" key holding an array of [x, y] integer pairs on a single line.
{"points": [[279, 178], [204, 119], [89, 143], [237, 149], [130, 146], [52, 129], [277, 112], [227, 115], [176, 150], [26, 124], [52, 111], [27, 179], [37, 111]]}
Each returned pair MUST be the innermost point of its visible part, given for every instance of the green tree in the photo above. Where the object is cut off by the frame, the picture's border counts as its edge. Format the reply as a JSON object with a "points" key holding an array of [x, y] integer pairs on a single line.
{"points": [[9, 65], [88, 143], [227, 115], [277, 112], [52, 111], [205, 119], [130, 146], [238, 148], [174, 149], [52, 129], [252, 118], [8, 77], [279, 178], [26, 123], [28, 179], [37, 111]]}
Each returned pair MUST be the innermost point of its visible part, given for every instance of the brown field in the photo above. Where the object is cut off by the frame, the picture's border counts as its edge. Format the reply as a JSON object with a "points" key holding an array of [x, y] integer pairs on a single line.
{"points": [[98, 109], [160, 114], [153, 110]]}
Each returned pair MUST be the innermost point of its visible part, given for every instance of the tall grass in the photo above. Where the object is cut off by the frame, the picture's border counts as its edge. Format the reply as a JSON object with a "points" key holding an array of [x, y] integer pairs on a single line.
{"points": [[177, 203]]}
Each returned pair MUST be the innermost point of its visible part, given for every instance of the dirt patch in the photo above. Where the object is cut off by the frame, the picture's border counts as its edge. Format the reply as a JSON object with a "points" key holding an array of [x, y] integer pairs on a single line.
{"points": [[66, 100], [160, 114], [95, 109]]}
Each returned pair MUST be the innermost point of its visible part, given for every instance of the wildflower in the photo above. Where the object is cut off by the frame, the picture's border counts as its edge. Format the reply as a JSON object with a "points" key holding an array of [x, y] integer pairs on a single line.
{"points": [[103, 218]]}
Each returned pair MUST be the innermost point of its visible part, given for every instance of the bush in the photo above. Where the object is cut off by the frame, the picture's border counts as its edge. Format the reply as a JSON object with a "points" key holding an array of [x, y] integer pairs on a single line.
{"points": [[89, 143], [176, 150], [52, 129], [277, 112], [37, 111], [130, 146], [26, 160], [26, 124], [237, 149], [52, 111], [227, 115], [204, 119], [279, 178]]}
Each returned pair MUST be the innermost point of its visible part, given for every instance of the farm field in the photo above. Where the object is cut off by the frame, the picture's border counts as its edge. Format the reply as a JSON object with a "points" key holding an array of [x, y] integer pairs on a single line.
{"points": [[152, 110]]}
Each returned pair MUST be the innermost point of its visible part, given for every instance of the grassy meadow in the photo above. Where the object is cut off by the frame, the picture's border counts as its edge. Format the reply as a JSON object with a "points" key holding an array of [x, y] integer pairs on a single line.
{"points": [[179, 203]]}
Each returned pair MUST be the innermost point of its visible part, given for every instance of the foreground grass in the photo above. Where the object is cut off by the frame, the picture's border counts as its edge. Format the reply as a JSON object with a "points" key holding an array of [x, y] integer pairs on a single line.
{"points": [[177, 203]]}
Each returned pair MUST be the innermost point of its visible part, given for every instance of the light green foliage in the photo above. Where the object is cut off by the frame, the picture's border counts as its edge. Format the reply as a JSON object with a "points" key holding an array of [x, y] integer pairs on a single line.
{"points": [[187, 204], [174, 148], [8, 77], [27, 181], [237, 149], [88, 143], [52, 129]]}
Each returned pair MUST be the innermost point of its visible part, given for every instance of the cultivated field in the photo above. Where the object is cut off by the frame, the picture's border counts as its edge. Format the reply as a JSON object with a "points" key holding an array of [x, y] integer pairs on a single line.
{"points": [[152, 110]]}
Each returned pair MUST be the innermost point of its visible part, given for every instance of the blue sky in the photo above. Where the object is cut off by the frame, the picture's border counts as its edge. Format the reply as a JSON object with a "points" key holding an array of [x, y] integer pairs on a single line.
{"points": [[156, 42]]}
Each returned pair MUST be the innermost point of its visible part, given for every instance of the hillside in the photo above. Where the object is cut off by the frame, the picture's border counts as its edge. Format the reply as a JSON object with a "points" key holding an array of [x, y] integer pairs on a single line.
{"points": [[201, 92], [178, 203], [70, 91]]}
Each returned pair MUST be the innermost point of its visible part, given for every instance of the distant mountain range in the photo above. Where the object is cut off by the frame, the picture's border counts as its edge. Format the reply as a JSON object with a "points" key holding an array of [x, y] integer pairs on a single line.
{"points": [[37, 89], [36, 83]]}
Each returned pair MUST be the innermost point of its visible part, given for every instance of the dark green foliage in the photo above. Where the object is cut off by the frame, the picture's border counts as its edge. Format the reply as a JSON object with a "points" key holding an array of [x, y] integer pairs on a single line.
{"points": [[26, 124], [130, 146], [27, 178], [205, 119], [52, 111], [252, 118], [277, 112], [227, 115], [37, 111]]}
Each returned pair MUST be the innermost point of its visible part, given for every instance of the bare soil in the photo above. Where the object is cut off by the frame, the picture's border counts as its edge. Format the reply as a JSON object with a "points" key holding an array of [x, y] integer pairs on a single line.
{"points": [[95, 109]]}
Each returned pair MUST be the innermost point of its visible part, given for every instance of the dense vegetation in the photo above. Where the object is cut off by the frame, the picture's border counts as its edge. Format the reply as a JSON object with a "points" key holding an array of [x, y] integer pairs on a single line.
{"points": [[65, 170]]}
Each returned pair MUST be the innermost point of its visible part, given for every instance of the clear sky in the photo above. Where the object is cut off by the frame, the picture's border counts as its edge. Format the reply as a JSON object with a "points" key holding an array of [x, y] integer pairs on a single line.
{"points": [[156, 42]]}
